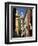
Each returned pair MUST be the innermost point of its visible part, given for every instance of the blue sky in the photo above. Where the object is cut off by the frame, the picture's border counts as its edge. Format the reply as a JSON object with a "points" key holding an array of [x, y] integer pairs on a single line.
{"points": [[21, 10]]}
